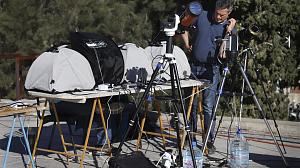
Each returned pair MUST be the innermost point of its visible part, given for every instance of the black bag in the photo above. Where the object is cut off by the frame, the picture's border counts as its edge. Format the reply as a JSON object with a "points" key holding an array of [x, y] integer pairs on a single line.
{"points": [[103, 54], [136, 159]]}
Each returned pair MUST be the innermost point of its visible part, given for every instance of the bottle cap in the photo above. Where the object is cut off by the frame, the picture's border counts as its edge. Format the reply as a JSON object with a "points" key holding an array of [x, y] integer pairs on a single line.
{"points": [[194, 143], [238, 131]]}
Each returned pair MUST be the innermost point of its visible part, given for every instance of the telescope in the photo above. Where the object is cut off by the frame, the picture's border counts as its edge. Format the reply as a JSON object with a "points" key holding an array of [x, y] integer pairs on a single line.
{"points": [[250, 32], [190, 13], [186, 18]]}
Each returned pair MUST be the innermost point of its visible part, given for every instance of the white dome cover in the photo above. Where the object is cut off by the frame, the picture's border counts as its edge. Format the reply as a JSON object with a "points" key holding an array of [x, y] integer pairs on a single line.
{"points": [[60, 71]]}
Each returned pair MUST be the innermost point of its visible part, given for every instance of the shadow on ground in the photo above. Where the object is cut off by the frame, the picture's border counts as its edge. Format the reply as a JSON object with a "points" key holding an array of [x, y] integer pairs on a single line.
{"points": [[18, 143], [274, 161]]}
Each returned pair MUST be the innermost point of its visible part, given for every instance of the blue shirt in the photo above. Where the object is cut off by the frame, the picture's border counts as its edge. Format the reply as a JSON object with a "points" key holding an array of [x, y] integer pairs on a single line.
{"points": [[205, 47]]}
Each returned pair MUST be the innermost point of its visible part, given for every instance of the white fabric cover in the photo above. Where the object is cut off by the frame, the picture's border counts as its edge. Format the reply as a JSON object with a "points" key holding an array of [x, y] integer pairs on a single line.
{"points": [[183, 66], [65, 70], [137, 61]]}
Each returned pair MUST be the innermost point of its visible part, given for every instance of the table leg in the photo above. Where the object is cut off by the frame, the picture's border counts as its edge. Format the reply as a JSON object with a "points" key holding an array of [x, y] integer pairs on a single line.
{"points": [[103, 122], [38, 134], [139, 142], [200, 111], [157, 104], [188, 115], [88, 133], [60, 130], [26, 141], [9, 142]]}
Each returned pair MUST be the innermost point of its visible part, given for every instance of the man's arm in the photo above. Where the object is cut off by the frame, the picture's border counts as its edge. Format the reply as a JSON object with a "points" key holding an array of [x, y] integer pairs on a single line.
{"points": [[231, 25], [185, 38]]}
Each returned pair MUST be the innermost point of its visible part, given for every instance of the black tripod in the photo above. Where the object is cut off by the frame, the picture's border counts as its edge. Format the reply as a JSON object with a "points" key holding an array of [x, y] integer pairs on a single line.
{"points": [[264, 90], [175, 85], [262, 113], [231, 93]]}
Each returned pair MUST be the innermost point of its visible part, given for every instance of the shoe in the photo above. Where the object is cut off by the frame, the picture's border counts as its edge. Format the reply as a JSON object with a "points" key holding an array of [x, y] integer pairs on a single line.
{"points": [[211, 148]]}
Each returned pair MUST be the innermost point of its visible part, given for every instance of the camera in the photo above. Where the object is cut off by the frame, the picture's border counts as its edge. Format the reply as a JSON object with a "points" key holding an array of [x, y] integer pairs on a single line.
{"points": [[230, 43], [169, 23]]}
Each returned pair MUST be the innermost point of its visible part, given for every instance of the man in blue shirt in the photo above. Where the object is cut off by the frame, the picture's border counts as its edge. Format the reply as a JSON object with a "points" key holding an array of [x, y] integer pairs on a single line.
{"points": [[210, 26]]}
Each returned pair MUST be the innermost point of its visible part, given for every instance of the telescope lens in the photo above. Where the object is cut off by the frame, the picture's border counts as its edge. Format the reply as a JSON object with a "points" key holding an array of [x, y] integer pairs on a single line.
{"points": [[195, 8], [254, 29]]}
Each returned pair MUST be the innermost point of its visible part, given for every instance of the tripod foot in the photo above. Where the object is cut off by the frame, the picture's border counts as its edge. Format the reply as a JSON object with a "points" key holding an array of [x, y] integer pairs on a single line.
{"points": [[223, 163]]}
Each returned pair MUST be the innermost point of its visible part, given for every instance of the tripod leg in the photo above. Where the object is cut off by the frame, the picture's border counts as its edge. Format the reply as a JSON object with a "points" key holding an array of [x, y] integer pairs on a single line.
{"points": [[175, 78], [268, 102], [243, 88], [262, 113], [188, 114], [219, 124], [131, 123], [214, 110], [275, 123]]}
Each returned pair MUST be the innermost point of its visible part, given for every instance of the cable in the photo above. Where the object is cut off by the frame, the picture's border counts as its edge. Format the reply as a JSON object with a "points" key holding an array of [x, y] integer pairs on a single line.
{"points": [[16, 104], [99, 66], [107, 124]]}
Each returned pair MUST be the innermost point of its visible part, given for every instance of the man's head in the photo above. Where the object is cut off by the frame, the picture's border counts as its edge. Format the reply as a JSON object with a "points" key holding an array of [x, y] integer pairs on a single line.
{"points": [[222, 10]]}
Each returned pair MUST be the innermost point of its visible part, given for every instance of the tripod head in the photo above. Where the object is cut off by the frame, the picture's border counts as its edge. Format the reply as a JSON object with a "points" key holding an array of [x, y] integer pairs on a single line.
{"points": [[171, 25]]}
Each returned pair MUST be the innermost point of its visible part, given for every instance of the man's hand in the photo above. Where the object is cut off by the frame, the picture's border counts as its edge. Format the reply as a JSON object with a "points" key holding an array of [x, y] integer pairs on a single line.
{"points": [[188, 48], [222, 53], [185, 37], [231, 25]]}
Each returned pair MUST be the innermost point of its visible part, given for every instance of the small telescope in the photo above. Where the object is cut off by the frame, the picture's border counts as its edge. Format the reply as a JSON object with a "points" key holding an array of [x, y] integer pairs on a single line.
{"points": [[247, 33], [186, 19], [190, 13]]}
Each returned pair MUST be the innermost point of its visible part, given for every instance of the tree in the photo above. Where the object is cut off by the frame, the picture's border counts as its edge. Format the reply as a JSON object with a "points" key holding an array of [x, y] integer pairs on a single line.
{"points": [[276, 62], [32, 26]]}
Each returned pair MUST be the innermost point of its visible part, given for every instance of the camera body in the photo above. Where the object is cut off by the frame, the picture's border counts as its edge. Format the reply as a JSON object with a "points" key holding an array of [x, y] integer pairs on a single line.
{"points": [[170, 25], [232, 43]]}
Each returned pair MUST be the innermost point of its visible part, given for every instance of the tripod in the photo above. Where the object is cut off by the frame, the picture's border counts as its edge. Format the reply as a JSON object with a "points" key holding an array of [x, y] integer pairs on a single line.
{"points": [[175, 85], [255, 99], [246, 52]]}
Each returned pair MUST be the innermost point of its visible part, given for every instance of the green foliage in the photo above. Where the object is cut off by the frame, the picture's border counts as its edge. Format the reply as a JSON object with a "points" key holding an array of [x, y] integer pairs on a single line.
{"points": [[275, 63], [7, 79], [31, 26]]}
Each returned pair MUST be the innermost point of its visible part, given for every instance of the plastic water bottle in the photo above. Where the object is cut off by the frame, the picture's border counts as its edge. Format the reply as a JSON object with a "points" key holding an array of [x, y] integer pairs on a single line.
{"points": [[239, 152], [187, 158], [198, 155]]}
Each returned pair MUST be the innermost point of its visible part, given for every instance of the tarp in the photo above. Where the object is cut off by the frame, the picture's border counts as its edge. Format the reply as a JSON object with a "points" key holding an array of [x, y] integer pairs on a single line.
{"points": [[183, 66], [60, 70]]}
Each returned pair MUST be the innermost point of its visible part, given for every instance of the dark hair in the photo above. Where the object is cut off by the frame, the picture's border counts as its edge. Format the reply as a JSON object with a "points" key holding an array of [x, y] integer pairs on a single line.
{"points": [[222, 4]]}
